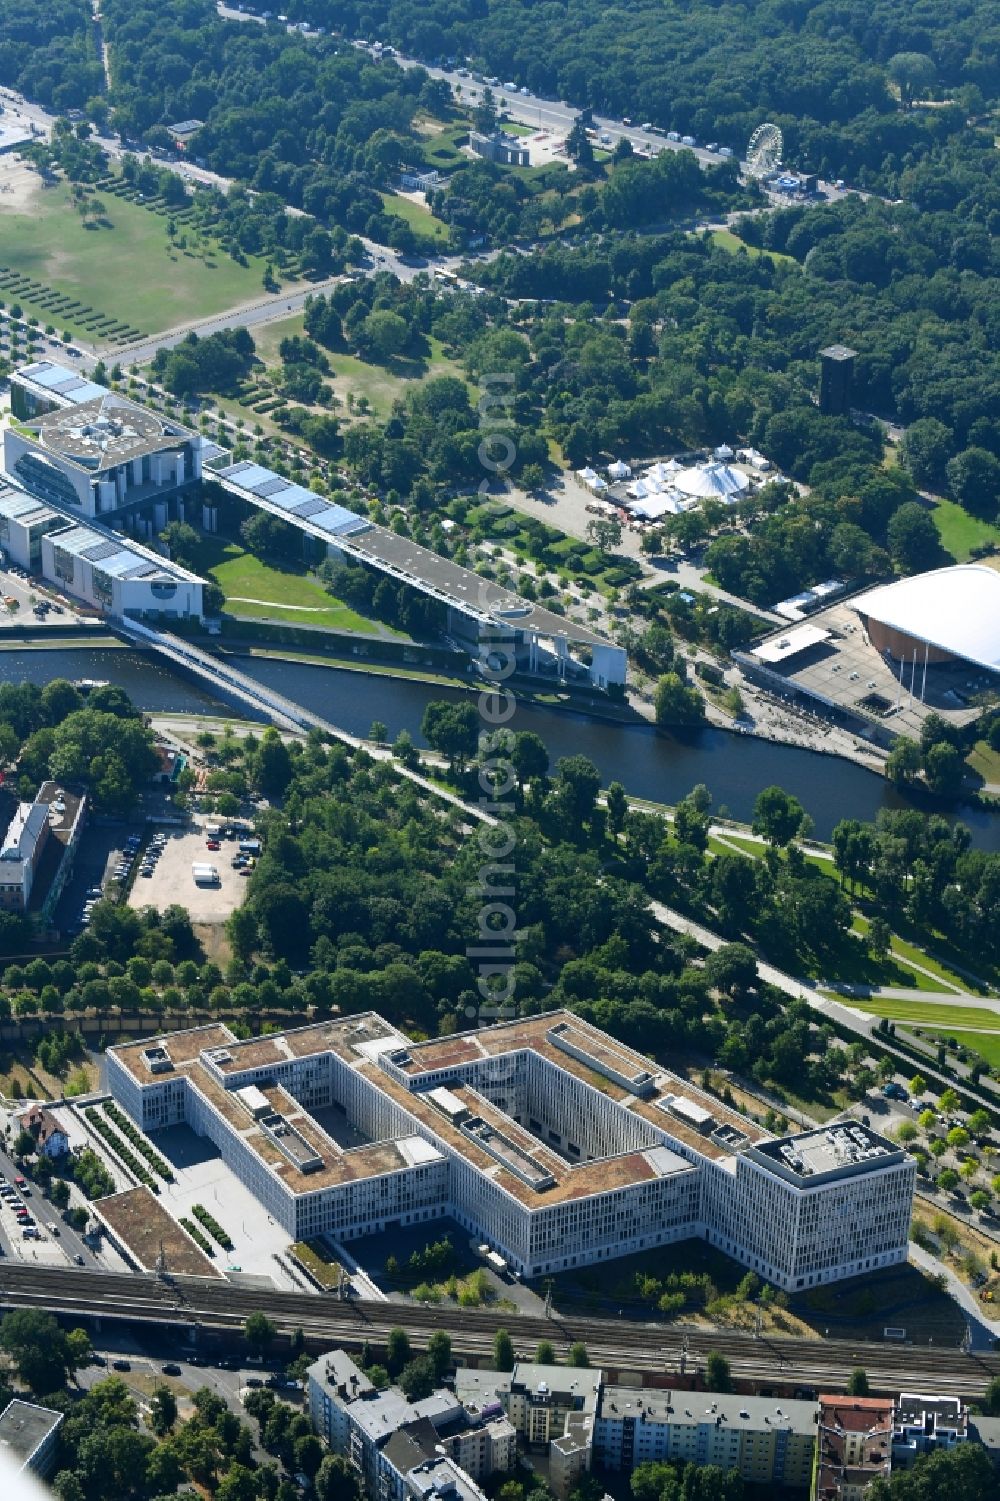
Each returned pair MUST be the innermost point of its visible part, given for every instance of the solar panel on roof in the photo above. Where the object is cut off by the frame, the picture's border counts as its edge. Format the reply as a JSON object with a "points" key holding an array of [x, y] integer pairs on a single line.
{"points": [[337, 520], [51, 376], [271, 486], [307, 507], [100, 551], [248, 474]]}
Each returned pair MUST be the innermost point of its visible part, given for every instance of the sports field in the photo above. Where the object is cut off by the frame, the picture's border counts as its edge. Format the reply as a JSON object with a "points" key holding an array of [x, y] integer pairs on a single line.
{"points": [[126, 268]]}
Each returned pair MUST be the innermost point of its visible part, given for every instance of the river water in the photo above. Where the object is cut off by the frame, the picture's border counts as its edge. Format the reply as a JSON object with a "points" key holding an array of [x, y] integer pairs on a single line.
{"points": [[648, 762]]}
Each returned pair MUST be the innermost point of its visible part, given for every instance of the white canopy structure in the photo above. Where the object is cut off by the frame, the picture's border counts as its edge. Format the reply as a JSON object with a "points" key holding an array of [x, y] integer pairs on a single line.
{"points": [[723, 451], [715, 481], [942, 615], [619, 470]]}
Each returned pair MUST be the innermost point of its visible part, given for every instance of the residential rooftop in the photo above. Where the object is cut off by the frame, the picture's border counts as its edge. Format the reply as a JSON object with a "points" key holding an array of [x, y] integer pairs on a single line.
{"points": [[24, 1427], [687, 1409]]}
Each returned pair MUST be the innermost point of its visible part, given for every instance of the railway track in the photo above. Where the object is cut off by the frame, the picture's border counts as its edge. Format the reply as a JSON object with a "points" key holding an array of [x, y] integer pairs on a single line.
{"points": [[611, 1343]]}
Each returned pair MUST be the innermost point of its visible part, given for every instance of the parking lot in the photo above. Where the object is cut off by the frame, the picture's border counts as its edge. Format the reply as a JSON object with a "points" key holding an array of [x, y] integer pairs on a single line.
{"points": [[19, 596], [171, 880]]}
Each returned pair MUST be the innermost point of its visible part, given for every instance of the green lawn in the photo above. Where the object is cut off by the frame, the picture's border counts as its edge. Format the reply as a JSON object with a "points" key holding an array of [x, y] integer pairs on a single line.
{"points": [[129, 272], [986, 1044], [380, 384], [726, 240], [942, 1016], [417, 215], [960, 532], [986, 761], [283, 595]]}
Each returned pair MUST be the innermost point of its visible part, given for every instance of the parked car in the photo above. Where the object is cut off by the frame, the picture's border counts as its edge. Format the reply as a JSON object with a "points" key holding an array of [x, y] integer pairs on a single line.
{"points": [[171, 1369], [121, 1365]]}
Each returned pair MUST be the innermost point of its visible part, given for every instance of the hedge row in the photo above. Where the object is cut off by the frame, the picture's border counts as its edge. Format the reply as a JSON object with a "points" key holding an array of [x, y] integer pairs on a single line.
{"points": [[124, 1154], [212, 1225], [135, 1136], [197, 1237]]}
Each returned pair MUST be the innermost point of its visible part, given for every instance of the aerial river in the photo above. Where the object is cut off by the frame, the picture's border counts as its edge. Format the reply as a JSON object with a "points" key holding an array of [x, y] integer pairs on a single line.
{"points": [[647, 762]]}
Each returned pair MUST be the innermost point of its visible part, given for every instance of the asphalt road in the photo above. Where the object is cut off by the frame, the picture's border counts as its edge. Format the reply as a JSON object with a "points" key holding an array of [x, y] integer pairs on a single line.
{"points": [[45, 1214]]}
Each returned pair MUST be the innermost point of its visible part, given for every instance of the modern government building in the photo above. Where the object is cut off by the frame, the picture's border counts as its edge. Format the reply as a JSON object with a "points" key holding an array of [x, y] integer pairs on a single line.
{"points": [[76, 454], [543, 1137]]}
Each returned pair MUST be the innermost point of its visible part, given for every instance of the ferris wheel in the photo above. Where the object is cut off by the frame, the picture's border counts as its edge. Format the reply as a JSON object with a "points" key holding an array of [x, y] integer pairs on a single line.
{"points": [[764, 150]]}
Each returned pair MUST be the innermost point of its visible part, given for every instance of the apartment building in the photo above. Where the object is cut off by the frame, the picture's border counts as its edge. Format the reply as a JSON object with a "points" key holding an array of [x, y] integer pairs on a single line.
{"points": [[388, 1439], [921, 1424], [770, 1443], [855, 1446], [544, 1138], [28, 1436]]}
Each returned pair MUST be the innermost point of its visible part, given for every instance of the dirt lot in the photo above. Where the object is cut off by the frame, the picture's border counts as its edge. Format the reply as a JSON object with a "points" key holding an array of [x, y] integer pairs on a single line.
{"points": [[172, 880]]}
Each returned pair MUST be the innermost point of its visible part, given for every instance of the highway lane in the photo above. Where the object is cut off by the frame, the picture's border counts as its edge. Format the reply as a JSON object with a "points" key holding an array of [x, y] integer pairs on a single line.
{"points": [[611, 1342]]}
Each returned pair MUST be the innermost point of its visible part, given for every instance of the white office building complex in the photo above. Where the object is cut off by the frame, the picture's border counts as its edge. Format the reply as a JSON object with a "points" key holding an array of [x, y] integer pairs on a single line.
{"points": [[545, 1138], [92, 451], [119, 577]]}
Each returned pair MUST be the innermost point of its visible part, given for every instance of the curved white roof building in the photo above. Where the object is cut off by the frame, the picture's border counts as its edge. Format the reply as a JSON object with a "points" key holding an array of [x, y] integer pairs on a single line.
{"points": [[945, 615], [711, 482]]}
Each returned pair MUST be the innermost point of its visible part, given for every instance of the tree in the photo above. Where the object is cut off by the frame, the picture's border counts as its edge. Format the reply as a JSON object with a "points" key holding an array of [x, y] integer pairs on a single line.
{"points": [[484, 116], [912, 73], [903, 762], [731, 969], [616, 802], [530, 757], [309, 1453], [964, 1473], [674, 703], [38, 1348], [418, 1378], [383, 334], [991, 1398], [273, 764], [578, 782], [259, 1331], [918, 1086], [397, 1350], [879, 937], [439, 1352], [914, 544], [857, 1383], [577, 1354], [378, 734], [503, 1351], [925, 449], [337, 1480], [718, 1377], [578, 145], [947, 1179], [605, 533], [545, 1354], [238, 1484], [452, 730], [163, 1411], [777, 815], [974, 481]]}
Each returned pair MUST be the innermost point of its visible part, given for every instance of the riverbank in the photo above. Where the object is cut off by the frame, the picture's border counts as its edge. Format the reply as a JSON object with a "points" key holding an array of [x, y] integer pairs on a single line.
{"points": [[650, 763]]}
